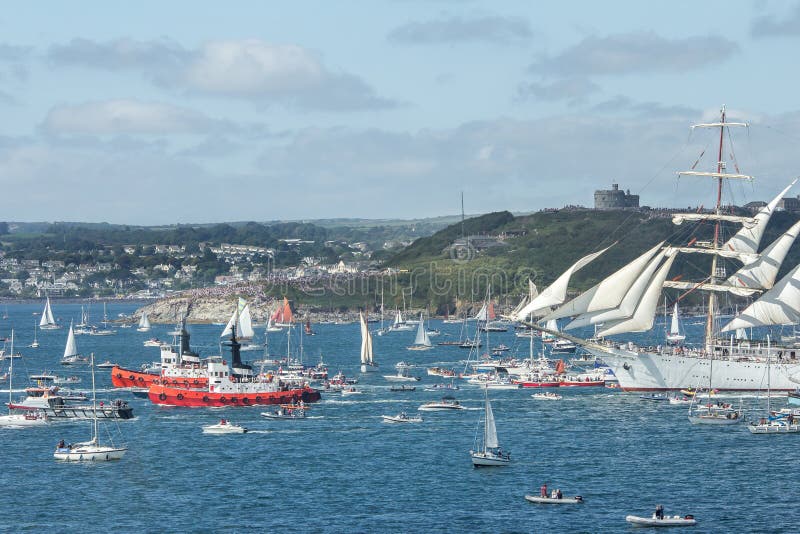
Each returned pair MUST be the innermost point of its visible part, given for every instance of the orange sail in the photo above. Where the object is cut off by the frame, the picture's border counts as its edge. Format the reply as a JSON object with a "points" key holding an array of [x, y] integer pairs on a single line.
{"points": [[287, 311], [490, 315], [560, 367]]}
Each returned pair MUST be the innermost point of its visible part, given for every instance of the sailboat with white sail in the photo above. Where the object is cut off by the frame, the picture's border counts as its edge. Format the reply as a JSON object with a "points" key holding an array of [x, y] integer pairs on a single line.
{"points": [[71, 354], [144, 323], [487, 451], [368, 364], [422, 341], [47, 321], [242, 320], [35, 344], [674, 336], [400, 325], [626, 301], [92, 450], [26, 419], [771, 423]]}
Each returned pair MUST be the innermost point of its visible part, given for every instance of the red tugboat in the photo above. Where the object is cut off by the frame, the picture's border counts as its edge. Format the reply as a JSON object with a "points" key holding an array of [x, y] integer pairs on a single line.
{"points": [[179, 367], [236, 385]]}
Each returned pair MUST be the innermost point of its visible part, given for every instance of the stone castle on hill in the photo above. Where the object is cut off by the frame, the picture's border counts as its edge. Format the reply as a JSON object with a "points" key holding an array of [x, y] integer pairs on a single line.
{"points": [[614, 199]]}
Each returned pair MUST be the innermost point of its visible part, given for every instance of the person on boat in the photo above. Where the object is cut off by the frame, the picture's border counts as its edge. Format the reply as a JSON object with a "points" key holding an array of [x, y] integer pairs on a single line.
{"points": [[559, 495], [61, 444], [659, 512], [223, 422], [790, 419], [543, 490]]}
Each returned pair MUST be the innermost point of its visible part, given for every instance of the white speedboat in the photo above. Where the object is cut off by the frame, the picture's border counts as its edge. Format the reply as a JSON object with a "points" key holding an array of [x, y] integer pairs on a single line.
{"points": [[106, 365], [773, 426], [403, 375], [549, 395], [287, 411], [554, 500], [667, 521], [402, 417], [447, 403], [351, 391], [224, 427]]}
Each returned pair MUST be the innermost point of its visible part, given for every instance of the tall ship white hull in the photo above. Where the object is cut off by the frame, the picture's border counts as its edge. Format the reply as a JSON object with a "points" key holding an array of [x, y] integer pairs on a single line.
{"points": [[743, 369]]}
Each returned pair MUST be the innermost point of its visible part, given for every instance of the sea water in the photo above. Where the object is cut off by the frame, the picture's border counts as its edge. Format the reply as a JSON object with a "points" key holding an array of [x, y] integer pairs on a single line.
{"points": [[343, 470]]}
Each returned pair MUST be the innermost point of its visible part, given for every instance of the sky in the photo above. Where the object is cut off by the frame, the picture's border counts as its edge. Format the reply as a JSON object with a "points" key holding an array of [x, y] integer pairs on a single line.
{"points": [[195, 112]]}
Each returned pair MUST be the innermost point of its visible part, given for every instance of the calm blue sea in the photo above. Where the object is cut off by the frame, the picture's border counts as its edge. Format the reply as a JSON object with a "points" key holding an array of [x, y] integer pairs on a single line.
{"points": [[343, 470]]}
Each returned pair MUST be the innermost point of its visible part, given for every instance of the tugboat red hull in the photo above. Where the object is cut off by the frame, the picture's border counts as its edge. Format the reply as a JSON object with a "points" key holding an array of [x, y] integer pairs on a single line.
{"points": [[172, 396]]}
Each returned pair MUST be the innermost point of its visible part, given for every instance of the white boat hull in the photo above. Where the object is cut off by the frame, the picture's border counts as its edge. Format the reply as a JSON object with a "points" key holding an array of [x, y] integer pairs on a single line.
{"points": [[399, 419], [90, 453], [651, 371], [22, 420], [666, 522], [480, 459], [553, 500], [712, 420], [773, 428], [227, 428], [365, 368]]}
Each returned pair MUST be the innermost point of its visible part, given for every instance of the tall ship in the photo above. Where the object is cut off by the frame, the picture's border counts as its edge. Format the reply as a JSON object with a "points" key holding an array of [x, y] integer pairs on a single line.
{"points": [[179, 366], [627, 300], [232, 385]]}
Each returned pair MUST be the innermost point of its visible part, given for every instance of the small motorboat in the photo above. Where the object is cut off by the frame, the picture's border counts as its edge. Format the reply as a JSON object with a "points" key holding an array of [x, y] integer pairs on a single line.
{"points": [[654, 397], [403, 387], [402, 417], [287, 411], [549, 395], [666, 521], [554, 500], [351, 391], [106, 365], [447, 403], [224, 427]]}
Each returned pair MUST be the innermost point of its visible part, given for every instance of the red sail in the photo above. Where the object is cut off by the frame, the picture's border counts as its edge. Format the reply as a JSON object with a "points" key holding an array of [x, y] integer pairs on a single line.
{"points": [[287, 311]]}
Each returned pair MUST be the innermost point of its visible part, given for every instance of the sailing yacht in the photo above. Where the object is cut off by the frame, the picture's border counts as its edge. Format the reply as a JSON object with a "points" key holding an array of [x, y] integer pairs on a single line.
{"points": [[35, 344], [242, 321], [773, 424], [367, 361], [282, 316], [26, 419], [144, 323], [399, 324], [487, 451], [626, 301], [674, 337], [422, 341], [71, 354], [92, 450], [48, 322]]}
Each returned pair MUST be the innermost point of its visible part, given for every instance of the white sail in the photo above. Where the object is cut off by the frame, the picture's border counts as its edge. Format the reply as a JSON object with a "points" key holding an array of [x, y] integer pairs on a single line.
{"points": [[628, 305], [47, 315], [642, 318], [675, 327], [741, 334], [490, 430], [556, 292], [422, 334], [241, 318], [366, 342], [761, 274], [482, 313], [144, 323], [72, 348], [748, 239], [245, 328], [609, 292], [779, 305], [398, 319]]}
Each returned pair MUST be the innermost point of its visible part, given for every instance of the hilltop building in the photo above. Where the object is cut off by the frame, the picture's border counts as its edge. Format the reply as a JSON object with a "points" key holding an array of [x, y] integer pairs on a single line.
{"points": [[614, 199]]}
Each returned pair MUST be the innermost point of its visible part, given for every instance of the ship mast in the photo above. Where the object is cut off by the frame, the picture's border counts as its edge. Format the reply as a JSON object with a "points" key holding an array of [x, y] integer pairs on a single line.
{"points": [[720, 175]]}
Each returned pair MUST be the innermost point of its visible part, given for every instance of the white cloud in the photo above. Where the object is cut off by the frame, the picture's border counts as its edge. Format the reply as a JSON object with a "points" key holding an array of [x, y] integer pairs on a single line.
{"points": [[248, 69], [113, 117]]}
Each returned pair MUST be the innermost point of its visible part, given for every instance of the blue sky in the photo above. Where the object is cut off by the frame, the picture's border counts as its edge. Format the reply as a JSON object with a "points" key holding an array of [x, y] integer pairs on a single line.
{"points": [[167, 112]]}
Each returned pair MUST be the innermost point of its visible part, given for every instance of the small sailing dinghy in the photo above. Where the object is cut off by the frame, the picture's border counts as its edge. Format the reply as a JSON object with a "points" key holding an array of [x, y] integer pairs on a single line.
{"points": [[224, 427], [144, 323], [674, 337], [487, 452], [92, 450]]}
